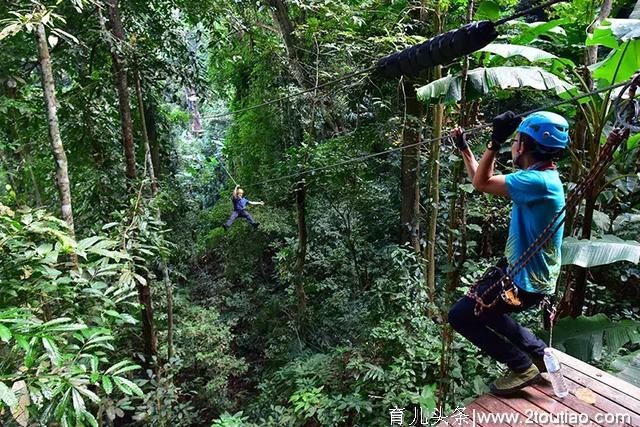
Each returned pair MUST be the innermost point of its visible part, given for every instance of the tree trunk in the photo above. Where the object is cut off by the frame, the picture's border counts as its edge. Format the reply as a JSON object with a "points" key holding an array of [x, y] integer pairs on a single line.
{"points": [[457, 221], [574, 295], [48, 86], [148, 328], [434, 196], [152, 132], [145, 135], [36, 188], [592, 51], [300, 196], [122, 86], [410, 169], [280, 15], [434, 176], [168, 286]]}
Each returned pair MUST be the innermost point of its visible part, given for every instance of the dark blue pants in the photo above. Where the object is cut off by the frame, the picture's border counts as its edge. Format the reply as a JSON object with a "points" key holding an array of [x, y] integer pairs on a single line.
{"points": [[494, 331], [240, 213]]}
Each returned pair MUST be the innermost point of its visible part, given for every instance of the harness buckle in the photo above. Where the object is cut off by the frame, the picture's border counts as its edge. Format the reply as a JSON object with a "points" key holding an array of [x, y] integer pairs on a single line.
{"points": [[509, 292]]}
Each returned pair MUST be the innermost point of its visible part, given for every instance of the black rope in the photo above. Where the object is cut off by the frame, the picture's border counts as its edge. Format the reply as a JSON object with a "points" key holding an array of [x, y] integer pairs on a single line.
{"points": [[404, 147]]}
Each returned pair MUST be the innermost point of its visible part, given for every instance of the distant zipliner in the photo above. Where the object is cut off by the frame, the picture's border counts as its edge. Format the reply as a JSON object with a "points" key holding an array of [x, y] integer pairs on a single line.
{"points": [[239, 208]]}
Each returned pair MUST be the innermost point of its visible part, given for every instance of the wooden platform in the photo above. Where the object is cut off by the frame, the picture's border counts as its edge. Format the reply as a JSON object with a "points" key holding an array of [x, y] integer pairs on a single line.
{"points": [[596, 399]]}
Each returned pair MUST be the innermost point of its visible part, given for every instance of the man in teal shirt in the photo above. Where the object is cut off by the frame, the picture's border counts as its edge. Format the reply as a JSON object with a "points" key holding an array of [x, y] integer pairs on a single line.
{"points": [[537, 196]]}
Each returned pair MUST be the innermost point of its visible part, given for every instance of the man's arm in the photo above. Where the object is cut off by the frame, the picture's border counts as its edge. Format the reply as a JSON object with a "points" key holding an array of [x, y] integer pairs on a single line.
{"points": [[470, 162], [485, 181]]}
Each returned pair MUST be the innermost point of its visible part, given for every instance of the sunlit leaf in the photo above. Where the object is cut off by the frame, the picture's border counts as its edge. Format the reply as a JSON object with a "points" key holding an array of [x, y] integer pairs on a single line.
{"points": [[599, 251]]}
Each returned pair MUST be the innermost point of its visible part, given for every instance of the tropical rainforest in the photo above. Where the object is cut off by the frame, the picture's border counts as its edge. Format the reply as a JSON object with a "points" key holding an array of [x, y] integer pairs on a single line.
{"points": [[125, 126]]}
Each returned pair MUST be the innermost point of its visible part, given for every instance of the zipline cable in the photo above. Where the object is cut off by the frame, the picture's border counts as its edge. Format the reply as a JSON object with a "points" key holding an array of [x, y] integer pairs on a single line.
{"points": [[404, 147], [438, 50], [293, 95]]}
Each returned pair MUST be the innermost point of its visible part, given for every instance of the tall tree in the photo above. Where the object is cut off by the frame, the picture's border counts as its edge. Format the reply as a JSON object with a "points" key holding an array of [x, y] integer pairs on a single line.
{"points": [[49, 89], [280, 15], [301, 254], [410, 167], [574, 296], [145, 134], [122, 86]]}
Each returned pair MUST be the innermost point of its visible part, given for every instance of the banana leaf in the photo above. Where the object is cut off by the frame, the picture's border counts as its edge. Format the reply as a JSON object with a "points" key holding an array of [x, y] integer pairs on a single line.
{"points": [[585, 337], [614, 31], [623, 37], [531, 54], [599, 251], [482, 81]]}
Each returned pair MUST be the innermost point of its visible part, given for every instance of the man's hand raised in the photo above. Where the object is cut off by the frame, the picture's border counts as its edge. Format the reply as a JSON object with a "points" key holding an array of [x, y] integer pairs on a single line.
{"points": [[459, 138], [504, 125]]}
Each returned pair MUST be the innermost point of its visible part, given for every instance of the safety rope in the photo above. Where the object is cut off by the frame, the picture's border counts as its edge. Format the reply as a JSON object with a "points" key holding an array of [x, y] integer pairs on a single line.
{"points": [[622, 127], [228, 173], [438, 50]]}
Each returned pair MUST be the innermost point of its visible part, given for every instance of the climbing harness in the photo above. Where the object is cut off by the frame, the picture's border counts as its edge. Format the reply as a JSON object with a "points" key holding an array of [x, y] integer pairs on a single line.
{"points": [[626, 121]]}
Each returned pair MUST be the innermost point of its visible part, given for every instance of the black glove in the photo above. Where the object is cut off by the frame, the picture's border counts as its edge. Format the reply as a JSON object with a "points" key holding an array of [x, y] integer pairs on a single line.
{"points": [[459, 138], [503, 126]]}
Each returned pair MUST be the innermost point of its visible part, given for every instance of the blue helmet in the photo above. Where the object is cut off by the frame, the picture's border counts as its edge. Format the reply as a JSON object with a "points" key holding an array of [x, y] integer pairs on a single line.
{"points": [[548, 129]]}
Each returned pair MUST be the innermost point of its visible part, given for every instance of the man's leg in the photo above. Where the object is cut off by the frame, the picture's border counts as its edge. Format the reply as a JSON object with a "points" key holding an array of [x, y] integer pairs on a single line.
{"points": [[232, 218], [518, 335], [249, 218], [481, 330], [475, 328]]}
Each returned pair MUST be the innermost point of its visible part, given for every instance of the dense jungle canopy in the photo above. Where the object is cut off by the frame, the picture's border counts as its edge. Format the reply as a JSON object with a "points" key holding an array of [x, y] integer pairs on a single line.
{"points": [[125, 126]]}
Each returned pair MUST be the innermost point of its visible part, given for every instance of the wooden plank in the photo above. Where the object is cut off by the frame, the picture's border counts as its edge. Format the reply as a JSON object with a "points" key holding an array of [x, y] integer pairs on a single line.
{"points": [[455, 421], [612, 396], [574, 403], [553, 408], [493, 405], [603, 403], [602, 388], [595, 373], [523, 405]]}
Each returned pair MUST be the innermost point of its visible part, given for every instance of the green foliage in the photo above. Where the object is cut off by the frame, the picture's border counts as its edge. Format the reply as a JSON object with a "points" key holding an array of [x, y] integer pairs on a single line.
{"points": [[369, 339], [586, 337], [621, 35], [204, 357], [488, 9], [60, 320]]}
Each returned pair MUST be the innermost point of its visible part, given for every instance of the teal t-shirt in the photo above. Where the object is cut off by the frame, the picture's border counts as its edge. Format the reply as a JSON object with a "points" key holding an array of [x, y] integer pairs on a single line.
{"points": [[537, 197]]}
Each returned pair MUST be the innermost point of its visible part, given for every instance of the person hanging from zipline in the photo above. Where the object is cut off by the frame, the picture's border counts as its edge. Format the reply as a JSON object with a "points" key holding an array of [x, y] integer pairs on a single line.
{"points": [[239, 208], [537, 196]]}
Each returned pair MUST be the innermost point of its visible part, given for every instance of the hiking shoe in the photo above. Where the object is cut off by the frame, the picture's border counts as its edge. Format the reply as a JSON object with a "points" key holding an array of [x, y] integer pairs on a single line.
{"points": [[225, 226], [539, 362], [515, 381], [256, 225]]}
